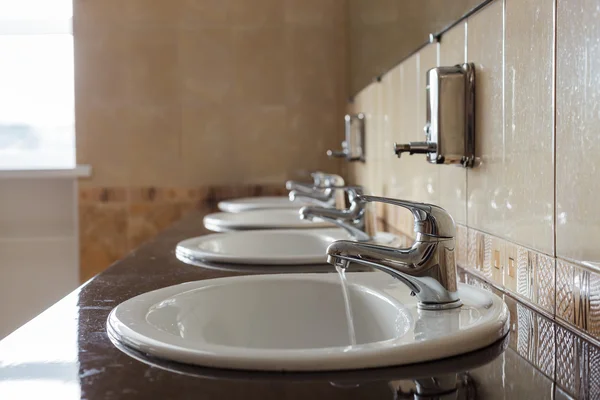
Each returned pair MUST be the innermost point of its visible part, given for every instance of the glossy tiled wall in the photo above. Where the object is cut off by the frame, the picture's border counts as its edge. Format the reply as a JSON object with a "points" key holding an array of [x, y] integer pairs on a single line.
{"points": [[527, 218], [186, 94]]}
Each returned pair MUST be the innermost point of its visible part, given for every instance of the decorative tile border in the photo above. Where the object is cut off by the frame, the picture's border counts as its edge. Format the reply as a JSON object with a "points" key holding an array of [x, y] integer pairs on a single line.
{"points": [[557, 351], [578, 297], [115, 220]]}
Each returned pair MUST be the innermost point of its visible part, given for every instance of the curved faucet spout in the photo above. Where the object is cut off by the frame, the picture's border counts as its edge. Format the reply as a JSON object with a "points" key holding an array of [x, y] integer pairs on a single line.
{"points": [[320, 197], [428, 267], [414, 266], [349, 219], [352, 219]]}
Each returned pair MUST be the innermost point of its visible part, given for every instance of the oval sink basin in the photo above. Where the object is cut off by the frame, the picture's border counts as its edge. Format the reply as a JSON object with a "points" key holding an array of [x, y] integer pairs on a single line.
{"points": [[258, 203], [270, 247], [260, 219], [298, 322]]}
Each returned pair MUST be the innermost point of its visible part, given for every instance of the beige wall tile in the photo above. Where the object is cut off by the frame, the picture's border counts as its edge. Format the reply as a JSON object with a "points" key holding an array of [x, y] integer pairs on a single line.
{"points": [[577, 121], [153, 67], [453, 180], [153, 12], [206, 140], [102, 12], [310, 76], [207, 66], [311, 131], [199, 56], [100, 80], [205, 13], [256, 13], [102, 143], [487, 197], [315, 12], [259, 66], [264, 146], [153, 138], [529, 124]]}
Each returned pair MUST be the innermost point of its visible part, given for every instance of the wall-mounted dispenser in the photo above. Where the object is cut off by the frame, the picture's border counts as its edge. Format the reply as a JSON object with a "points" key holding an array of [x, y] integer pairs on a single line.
{"points": [[450, 126], [353, 146]]}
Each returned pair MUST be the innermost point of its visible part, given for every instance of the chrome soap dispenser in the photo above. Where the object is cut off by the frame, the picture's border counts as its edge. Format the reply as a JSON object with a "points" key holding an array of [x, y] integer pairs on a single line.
{"points": [[353, 146], [450, 126]]}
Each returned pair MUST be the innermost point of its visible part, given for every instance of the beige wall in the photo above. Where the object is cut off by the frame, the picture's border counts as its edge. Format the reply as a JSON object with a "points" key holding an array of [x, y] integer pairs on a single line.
{"points": [[521, 227], [192, 92], [179, 102]]}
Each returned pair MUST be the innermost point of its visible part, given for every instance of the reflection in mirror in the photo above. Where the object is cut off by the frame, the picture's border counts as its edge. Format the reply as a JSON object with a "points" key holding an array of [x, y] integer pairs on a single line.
{"points": [[384, 32]]}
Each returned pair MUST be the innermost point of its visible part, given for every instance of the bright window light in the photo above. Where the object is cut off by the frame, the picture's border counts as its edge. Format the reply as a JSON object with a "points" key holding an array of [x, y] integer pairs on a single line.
{"points": [[37, 120]]}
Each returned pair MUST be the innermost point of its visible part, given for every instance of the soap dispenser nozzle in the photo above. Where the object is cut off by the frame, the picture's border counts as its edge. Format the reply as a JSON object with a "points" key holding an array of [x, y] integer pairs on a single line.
{"points": [[415, 148]]}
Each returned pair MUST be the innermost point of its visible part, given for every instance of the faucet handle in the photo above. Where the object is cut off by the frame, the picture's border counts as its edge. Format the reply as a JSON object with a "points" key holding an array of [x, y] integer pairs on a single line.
{"points": [[430, 220]]}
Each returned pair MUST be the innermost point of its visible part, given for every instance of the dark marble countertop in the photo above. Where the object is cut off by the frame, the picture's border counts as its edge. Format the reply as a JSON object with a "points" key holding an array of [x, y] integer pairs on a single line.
{"points": [[65, 352]]}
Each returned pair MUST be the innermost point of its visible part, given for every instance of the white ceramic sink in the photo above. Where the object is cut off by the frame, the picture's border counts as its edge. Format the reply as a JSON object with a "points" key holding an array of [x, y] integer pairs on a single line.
{"points": [[297, 322], [258, 203], [270, 247], [260, 219]]}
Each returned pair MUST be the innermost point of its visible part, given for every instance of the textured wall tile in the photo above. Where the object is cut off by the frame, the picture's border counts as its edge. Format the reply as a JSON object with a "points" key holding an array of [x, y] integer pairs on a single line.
{"points": [[526, 339], [472, 248], [524, 273], [564, 292], [593, 323], [102, 237], [546, 345], [103, 195], [510, 271], [498, 256], [576, 359], [146, 220], [545, 287], [486, 264], [462, 244], [581, 299], [565, 359], [594, 372]]}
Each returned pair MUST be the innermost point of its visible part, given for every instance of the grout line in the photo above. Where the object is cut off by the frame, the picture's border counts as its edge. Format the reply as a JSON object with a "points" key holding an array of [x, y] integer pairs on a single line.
{"points": [[553, 101], [554, 77]]}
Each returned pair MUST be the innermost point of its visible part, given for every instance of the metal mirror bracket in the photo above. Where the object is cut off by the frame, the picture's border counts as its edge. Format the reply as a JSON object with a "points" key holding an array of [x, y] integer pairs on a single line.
{"points": [[450, 125], [353, 146]]}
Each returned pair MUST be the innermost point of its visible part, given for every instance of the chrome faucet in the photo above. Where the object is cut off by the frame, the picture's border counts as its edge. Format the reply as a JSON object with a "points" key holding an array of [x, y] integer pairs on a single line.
{"points": [[321, 193], [355, 219], [428, 267], [320, 180]]}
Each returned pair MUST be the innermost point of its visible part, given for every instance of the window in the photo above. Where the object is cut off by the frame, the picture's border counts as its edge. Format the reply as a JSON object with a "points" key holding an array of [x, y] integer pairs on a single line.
{"points": [[37, 119]]}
